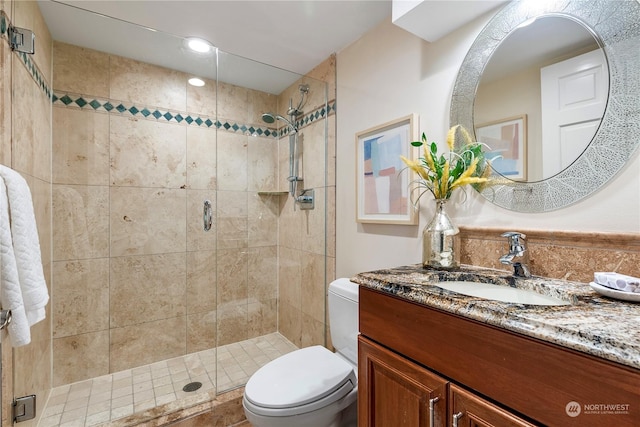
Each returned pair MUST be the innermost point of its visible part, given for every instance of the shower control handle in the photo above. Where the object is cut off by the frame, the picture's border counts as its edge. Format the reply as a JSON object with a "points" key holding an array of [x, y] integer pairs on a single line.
{"points": [[207, 216]]}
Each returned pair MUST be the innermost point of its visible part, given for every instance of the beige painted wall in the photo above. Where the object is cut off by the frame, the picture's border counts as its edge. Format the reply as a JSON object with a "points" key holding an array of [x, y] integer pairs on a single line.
{"points": [[390, 73]]}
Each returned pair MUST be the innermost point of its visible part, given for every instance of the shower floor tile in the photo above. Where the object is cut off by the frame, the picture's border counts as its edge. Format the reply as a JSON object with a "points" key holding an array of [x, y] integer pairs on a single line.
{"points": [[107, 398]]}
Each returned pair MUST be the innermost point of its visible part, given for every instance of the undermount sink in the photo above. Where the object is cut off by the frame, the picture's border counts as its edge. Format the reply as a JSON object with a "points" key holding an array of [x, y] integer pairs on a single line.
{"points": [[490, 291]]}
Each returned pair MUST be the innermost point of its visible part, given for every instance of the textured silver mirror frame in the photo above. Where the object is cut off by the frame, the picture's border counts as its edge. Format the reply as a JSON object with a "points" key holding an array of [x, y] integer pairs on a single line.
{"points": [[616, 25]]}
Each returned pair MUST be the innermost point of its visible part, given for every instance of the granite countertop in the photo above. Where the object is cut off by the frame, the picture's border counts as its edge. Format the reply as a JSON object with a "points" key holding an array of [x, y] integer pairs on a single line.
{"points": [[592, 324]]}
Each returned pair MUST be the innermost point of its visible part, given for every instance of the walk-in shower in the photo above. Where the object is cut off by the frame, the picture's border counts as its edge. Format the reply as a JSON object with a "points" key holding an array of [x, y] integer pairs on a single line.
{"points": [[145, 302]]}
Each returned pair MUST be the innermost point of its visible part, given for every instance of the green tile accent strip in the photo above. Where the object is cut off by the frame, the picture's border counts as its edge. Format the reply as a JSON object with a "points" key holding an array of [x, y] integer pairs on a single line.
{"points": [[83, 102]]}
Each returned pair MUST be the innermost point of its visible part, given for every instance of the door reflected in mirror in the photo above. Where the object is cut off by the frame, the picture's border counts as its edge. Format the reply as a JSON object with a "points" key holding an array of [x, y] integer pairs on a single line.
{"points": [[552, 71]]}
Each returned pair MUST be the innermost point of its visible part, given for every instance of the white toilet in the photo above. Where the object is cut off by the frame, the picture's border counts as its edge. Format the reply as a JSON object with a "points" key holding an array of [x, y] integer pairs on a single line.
{"points": [[312, 386]]}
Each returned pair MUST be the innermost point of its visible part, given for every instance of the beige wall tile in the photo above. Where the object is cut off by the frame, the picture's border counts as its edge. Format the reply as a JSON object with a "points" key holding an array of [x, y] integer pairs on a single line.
{"points": [[80, 357], [290, 322], [232, 322], [80, 147], [80, 70], [147, 220], [283, 164], [290, 224], [202, 100], [260, 103], [290, 277], [313, 331], [201, 281], [147, 84], [232, 277], [232, 219], [23, 149], [201, 158], [326, 72], [313, 225], [5, 104], [32, 369], [146, 153], [201, 331], [197, 237], [80, 222], [331, 150], [312, 163], [312, 286], [262, 317], [148, 342], [331, 221], [233, 103], [27, 15], [81, 303], [263, 273], [262, 167], [41, 197], [263, 219], [232, 161], [147, 288]]}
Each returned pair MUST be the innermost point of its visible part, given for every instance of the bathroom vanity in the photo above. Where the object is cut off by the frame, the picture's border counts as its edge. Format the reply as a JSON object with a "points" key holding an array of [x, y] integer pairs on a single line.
{"points": [[433, 357]]}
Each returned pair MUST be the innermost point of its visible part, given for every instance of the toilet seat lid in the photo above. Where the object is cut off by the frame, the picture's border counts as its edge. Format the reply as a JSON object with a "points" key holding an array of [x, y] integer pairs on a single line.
{"points": [[299, 378]]}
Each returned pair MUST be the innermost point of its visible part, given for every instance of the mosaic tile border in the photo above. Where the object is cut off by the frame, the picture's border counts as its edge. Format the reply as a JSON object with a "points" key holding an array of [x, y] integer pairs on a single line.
{"points": [[78, 101], [25, 58]]}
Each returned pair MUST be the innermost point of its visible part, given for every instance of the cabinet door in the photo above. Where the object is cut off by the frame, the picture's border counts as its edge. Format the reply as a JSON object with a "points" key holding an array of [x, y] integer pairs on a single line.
{"points": [[394, 392], [469, 410]]}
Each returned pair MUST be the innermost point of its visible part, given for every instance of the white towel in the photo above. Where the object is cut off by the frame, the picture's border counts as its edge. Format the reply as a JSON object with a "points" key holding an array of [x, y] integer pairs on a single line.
{"points": [[24, 290]]}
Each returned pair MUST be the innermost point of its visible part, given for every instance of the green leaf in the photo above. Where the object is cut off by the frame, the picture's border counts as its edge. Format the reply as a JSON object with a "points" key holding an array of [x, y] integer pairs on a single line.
{"points": [[416, 144]]}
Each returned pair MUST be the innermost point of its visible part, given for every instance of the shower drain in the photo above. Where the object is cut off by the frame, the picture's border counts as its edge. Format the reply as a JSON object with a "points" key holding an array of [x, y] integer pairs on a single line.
{"points": [[192, 386]]}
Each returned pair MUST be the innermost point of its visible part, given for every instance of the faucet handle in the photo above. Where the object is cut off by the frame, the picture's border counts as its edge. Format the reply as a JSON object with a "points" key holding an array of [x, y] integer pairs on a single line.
{"points": [[513, 234], [515, 244]]}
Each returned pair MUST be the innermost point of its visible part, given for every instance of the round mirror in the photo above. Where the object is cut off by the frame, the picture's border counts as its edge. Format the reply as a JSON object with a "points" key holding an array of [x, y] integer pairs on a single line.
{"points": [[527, 73], [553, 75]]}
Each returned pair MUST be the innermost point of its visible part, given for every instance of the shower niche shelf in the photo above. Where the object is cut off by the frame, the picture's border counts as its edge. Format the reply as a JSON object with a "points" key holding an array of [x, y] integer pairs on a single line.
{"points": [[272, 193]]}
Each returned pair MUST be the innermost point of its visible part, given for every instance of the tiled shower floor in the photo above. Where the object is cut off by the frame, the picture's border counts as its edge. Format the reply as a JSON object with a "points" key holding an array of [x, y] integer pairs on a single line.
{"points": [[110, 397]]}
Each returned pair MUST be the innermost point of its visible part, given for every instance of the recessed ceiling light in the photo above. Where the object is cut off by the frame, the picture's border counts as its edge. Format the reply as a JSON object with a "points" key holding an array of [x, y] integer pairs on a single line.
{"points": [[199, 45], [194, 81]]}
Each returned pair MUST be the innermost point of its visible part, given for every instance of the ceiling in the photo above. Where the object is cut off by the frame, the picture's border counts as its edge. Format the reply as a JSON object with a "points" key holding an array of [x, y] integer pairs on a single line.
{"points": [[292, 36]]}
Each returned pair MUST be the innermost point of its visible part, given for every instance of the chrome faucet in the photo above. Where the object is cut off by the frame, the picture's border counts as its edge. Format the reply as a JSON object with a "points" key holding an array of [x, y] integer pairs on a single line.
{"points": [[518, 255]]}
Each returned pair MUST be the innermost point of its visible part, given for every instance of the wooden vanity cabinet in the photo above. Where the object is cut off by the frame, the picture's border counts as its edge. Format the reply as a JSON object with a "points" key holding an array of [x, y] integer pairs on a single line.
{"points": [[410, 354], [395, 392]]}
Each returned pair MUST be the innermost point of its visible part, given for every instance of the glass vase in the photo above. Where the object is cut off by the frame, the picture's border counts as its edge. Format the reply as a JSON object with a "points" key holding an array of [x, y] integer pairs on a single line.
{"points": [[441, 241]]}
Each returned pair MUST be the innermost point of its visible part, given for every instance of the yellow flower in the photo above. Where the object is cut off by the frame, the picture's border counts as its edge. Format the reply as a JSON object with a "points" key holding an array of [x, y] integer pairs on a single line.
{"points": [[441, 174]]}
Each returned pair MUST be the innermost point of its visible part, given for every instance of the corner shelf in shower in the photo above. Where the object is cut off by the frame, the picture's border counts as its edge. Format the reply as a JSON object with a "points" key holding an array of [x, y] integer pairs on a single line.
{"points": [[272, 193]]}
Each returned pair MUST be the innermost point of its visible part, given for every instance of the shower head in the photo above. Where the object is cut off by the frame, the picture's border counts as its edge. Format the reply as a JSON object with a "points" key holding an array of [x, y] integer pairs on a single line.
{"points": [[268, 118], [271, 118]]}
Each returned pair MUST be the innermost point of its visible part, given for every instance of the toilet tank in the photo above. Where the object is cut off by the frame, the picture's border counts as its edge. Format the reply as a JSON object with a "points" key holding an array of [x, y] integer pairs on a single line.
{"points": [[343, 318]]}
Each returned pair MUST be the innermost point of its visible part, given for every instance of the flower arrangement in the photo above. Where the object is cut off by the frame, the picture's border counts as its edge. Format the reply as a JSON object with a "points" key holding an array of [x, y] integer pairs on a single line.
{"points": [[442, 174]]}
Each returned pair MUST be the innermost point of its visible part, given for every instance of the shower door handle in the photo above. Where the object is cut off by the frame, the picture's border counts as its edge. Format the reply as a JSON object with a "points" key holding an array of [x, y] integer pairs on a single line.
{"points": [[206, 215]]}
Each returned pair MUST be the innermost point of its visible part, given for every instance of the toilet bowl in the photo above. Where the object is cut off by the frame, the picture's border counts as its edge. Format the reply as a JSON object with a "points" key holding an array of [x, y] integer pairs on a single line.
{"points": [[312, 386]]}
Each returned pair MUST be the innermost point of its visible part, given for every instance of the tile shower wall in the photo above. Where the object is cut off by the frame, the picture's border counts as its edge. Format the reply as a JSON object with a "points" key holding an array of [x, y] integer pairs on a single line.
{"points": [[135, 155], [305, 267], [25, 145]]}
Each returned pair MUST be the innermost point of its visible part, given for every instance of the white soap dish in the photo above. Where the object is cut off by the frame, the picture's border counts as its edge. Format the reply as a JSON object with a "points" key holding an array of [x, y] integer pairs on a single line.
{"points": [[612, 293]]}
